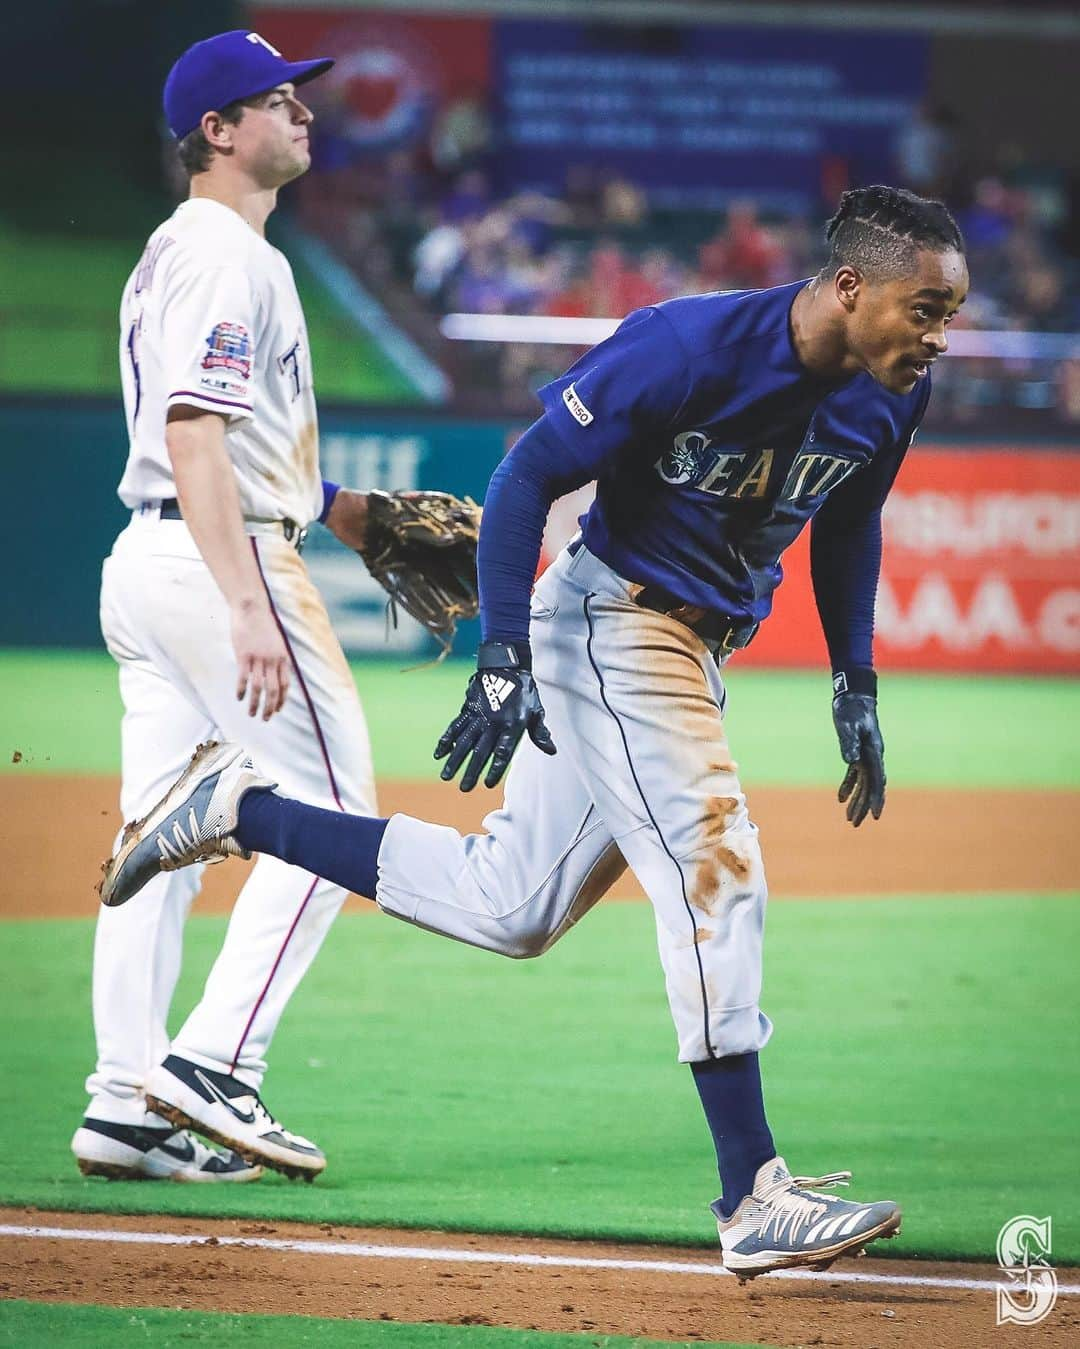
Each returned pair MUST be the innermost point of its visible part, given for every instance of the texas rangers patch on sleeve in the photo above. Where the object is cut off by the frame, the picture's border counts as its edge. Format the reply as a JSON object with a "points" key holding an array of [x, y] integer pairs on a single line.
{"points": [[229, 348], [575, 406]]}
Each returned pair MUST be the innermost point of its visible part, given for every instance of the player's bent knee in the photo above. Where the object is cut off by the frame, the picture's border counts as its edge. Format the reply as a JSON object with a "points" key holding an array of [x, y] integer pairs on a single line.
{"points": [[527, 943]]}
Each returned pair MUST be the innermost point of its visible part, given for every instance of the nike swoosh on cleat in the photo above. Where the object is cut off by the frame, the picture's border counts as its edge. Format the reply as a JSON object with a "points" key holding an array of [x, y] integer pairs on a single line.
{"points": [[183, 1151], [244, 1116]]}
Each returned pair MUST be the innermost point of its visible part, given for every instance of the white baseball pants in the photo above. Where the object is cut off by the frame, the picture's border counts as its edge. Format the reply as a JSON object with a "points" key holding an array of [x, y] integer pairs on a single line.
{"points": [[166, 623], [642, 777]]}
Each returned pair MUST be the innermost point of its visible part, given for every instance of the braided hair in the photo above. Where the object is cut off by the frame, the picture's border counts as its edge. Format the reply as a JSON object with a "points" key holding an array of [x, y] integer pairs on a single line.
{"points": [[880, 229]]}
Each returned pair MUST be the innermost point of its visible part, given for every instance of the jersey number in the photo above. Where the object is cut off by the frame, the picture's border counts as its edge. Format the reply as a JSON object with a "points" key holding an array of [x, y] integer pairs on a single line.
{"points": [[132, 348]]}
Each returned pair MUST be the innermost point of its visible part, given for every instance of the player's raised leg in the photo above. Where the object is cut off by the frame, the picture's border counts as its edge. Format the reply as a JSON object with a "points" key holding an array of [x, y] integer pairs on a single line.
{"points": [[514, 890]]}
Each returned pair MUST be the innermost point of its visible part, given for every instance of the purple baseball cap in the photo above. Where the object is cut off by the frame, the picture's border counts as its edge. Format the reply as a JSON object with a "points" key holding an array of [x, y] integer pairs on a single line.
{"points": [[230, 66]]}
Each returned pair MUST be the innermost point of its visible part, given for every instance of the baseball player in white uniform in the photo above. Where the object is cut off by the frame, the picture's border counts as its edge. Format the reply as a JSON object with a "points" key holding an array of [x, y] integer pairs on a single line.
{"points": [[217, 629]]}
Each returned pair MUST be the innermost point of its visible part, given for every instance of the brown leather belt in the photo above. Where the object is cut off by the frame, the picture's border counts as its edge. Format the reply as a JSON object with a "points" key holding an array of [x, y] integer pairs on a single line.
{"points": [[714, 628], [717, 630]]}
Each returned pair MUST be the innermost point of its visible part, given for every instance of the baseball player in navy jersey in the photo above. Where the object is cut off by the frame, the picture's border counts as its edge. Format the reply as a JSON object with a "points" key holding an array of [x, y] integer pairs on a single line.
{"points": [[217, 629], [716, 428]]}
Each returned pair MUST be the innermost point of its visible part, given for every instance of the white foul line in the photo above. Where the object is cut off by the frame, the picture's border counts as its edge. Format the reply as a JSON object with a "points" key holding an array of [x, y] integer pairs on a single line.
{"points": [[447, 1255]]}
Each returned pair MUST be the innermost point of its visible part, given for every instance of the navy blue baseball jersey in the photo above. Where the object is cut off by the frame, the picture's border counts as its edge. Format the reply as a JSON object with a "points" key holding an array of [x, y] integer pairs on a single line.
{"points": [[712, 445]]}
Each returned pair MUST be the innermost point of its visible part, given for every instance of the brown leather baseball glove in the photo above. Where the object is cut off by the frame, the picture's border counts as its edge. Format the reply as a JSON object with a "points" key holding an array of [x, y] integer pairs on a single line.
{"points": [[421, 548]]}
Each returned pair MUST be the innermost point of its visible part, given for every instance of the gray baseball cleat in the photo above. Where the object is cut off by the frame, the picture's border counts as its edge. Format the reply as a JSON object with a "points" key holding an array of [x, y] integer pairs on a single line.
{"points": [[192, 822], [221, 1107], [780, 1224], [141, 1152]]}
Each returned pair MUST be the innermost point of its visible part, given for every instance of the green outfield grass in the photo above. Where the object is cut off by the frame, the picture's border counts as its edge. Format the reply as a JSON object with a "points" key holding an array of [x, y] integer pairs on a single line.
{"points": [[929, 1045], [29, 1323], [60, 297], [61, 711]]}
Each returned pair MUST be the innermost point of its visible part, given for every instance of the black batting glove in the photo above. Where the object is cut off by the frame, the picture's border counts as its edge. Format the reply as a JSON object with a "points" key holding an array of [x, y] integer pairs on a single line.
{"points": [[501, 704], [854, 711]]}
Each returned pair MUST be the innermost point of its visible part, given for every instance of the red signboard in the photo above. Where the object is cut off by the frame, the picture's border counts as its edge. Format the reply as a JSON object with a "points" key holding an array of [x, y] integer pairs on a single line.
{"points": [[981, 568], [982, 562], [394, 73]]}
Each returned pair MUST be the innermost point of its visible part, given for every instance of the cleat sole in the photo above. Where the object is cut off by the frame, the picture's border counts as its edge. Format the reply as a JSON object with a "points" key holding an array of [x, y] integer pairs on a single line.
{"points": [[821, 1260], [181, 1120], [110, 1170]]}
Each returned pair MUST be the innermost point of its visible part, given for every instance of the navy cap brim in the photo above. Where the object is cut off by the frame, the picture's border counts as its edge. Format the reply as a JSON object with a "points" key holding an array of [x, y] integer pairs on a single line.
{"points": [[290, 72], [299, 72]]}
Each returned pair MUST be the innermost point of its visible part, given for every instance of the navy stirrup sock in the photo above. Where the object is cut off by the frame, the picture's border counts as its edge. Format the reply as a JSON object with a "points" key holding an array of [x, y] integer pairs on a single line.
{"points": [[328, 843], [730, 1091]]}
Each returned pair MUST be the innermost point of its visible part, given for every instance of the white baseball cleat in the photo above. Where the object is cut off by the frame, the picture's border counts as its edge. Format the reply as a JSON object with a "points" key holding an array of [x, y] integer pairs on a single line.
{"points": [[142, 1152], [193, 822], [221, 1107], [781, 1225]]}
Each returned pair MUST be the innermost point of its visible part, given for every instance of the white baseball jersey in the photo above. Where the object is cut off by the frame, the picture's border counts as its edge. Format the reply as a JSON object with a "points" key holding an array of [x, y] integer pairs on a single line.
{"points": [[210, 318]]}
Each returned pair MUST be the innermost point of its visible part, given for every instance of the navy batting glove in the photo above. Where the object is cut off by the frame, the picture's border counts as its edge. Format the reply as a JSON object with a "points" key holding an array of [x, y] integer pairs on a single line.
{"points": [[861, 746], [501, 704]]}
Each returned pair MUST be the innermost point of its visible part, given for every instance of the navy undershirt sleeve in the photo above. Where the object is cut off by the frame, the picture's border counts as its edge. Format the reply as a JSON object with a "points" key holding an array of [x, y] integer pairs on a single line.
{"points": [[845, 565], [537, 471], [845, 560]]}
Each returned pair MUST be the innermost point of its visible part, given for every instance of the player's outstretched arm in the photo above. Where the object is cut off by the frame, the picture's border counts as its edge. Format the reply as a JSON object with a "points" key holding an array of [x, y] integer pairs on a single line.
{"points": [[347, 518]]}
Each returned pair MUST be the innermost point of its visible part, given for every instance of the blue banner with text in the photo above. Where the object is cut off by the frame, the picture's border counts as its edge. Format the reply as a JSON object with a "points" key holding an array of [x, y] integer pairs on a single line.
{"points": [[700, 115]]}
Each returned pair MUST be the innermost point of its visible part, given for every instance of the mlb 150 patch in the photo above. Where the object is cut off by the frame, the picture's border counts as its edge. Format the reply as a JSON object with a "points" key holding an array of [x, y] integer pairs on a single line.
{"points": [[229, 348], [576, 407]]}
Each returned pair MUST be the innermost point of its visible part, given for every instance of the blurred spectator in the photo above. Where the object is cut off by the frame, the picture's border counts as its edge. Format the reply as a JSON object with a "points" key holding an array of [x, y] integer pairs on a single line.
{"points": [[988, 222], [405, 188], [800, 245], [461, 137], [610, 279], [744, 255], [1043, 302], [436, 258], [571, 295], [469, 196], [481, 286], [926, 150], [535, 218], [621, 203], [1041, 186], [583, 195]]}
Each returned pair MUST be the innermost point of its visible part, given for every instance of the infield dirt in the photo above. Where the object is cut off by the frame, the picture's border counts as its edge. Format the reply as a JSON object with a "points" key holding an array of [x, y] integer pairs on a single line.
{"points": [[58, 829], [209, 1276]]}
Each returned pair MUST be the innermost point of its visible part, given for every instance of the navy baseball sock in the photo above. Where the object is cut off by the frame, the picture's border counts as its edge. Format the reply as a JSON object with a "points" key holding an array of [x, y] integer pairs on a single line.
{"points": [[328, 843], [730, 1091]]}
